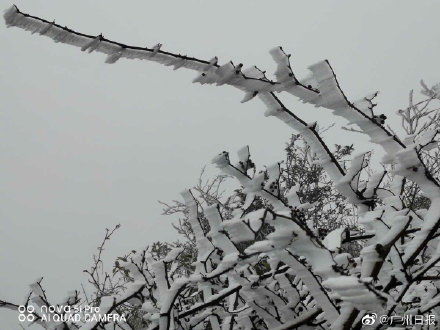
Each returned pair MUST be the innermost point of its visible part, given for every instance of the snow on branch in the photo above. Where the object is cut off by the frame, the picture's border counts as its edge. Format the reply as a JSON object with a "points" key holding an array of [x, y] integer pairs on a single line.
{"points": [[256, 261]]}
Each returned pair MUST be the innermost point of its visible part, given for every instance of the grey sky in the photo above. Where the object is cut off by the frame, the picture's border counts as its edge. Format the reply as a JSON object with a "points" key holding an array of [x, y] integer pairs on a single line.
{"points": [[85, 145]]}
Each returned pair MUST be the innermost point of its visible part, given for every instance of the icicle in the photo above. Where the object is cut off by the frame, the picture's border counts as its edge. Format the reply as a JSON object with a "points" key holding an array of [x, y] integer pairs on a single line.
{"points": [[200, 78], [92, 44], [156, 48], [249, 96], [46, 28], [283, 73], [244, 154], [312, 125], [254, 72], [225, 73], [112, 58], [237, 76], [212, 63], [225, 69], [221, 160], [36, 288], [60, 37], [176, 62], [37, 29], [10, 15]]}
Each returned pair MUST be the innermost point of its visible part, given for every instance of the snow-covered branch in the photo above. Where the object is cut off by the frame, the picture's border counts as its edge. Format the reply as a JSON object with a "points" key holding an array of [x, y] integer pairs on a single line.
{"points": [[259, 259]]}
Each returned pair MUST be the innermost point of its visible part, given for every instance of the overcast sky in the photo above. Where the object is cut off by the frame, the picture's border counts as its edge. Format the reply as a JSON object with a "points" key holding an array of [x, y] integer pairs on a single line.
{"points": [[85, 145]]}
